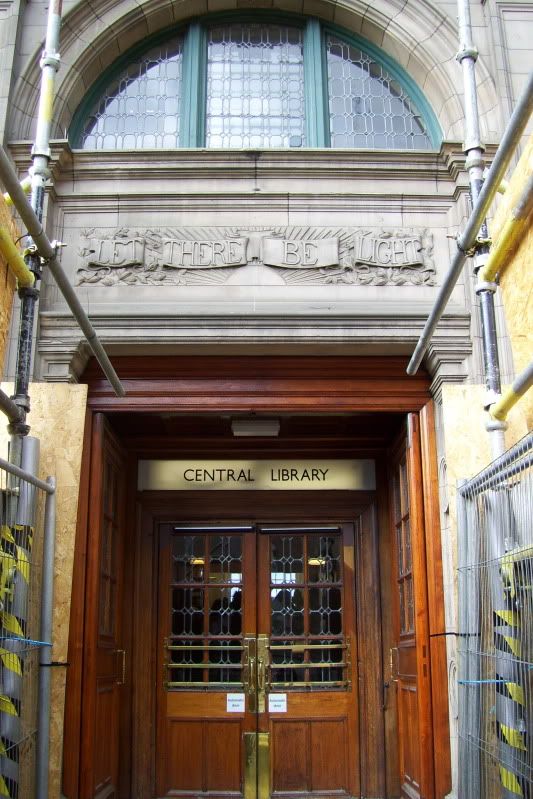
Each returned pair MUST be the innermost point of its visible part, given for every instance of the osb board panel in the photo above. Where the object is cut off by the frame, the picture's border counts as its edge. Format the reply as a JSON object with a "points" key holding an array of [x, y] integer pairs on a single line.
{"points": [[57, 419], [466, 442], [515, 281], [7, 283]]}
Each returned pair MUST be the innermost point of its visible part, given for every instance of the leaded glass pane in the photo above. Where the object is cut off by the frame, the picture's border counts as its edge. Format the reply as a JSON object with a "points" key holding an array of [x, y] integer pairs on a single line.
{"points": [[324, 559], [205, 642], [287, 564], [307, 646], [326, 656], [140, 107], [255, 86], [225, 559], [289, 674], [225, 611], [325, 611], [187, 611], [188, 557], [287, 611], [368, 107]]}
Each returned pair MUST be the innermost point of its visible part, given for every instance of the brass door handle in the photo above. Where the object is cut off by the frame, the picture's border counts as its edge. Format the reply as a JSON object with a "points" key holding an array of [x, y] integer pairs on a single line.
{"points": [[122, 679], [251, 677], [394, 663], [262, 665], [250, 672], [261, 674]]}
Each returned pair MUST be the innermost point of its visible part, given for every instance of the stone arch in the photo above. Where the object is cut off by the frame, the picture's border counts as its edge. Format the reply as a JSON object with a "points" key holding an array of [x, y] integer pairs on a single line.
{"points": [[415, 33]]}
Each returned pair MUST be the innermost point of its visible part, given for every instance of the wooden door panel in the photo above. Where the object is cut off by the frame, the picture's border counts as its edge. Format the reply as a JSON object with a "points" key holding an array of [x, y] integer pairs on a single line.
{"points": [[310, 756], [329, 755], [289, 755], [184, 765], [105, 749], [223, 753], [415, 733], [194, 705], [192, 744], [408, 720], [103, 680]]}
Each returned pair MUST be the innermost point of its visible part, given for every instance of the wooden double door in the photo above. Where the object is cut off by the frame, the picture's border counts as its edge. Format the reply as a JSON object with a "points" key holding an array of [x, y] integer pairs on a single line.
{"points": [[257, 652]]}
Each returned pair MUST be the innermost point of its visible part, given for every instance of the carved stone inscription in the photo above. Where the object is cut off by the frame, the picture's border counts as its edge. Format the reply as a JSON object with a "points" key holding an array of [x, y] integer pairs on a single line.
{"points": [[183, 254], [297, 255], [300, 254]]}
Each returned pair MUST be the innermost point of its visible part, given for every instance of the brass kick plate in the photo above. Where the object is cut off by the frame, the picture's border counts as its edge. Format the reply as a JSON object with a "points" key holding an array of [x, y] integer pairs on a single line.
{"points": [[250, 765], [256, 765]]}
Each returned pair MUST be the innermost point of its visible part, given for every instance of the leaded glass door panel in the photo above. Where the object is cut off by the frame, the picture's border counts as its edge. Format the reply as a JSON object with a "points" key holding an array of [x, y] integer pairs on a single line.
{"points": [[257, 653]]}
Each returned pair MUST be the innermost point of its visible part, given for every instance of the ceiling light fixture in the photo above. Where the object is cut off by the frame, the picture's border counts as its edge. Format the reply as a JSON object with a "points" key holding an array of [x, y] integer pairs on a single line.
{"points": [[255, 427]]}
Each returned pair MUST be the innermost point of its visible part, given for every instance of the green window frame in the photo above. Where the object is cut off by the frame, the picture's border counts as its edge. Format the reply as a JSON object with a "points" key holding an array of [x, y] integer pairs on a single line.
{"points": [[192, 100]]}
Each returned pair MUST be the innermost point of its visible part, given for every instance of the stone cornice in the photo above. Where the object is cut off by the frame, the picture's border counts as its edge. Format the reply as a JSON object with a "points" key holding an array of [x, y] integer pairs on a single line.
{"points": [[342, 165], [64, 353]]}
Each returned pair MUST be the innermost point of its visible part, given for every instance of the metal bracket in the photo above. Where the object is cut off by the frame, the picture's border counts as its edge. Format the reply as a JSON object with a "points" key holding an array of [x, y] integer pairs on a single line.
{"points": [[485, 285], [467, 52]]}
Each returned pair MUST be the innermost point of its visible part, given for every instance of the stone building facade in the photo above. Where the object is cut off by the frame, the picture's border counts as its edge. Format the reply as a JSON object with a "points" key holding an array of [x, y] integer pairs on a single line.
{"points": [[217, 274]]}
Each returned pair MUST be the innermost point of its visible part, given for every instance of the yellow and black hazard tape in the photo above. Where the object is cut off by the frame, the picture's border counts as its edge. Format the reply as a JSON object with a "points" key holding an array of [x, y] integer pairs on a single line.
{"points": [[16, 544], [510, 695], [511, 784]]}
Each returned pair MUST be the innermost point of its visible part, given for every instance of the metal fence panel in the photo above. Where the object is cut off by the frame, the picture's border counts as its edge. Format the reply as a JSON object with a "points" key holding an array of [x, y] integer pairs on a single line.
{"points": [[21, 539], [495, 591]]}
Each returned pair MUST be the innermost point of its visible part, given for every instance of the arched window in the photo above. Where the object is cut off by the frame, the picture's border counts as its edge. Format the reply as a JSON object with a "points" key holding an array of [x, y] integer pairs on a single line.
{"points": [[255, 83]]}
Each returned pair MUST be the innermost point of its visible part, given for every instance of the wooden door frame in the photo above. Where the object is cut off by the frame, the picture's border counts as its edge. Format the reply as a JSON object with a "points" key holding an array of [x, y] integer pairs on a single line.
{"points": [[248, 384]]}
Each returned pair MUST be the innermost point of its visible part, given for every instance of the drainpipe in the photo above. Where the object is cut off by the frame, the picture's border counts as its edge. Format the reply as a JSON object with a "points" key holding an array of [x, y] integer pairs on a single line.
{"points": [[510, 139], [475, 165], [29, 294]]}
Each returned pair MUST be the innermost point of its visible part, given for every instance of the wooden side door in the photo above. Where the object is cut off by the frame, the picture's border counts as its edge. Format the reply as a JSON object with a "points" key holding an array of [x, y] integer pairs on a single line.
{"points": [[104, 673], [308, 704], [410, 657]]}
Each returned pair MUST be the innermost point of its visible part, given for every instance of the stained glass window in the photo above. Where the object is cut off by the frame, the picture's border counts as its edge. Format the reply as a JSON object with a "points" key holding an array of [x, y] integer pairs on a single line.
{"points": [[140, 107], [368, 107], [255, 85]]}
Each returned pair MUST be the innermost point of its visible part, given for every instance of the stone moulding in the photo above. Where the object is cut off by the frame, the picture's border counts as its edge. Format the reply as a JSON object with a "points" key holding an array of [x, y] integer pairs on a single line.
{"points": [[298, 255]]}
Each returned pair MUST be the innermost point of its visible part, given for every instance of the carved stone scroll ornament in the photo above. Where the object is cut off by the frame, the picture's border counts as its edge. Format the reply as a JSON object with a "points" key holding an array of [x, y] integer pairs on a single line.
{"points": [[298, 255]]}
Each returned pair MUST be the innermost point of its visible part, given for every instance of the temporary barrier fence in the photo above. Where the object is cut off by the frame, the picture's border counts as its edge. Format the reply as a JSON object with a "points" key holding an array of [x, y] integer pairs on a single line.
{"points": [[25, 525], [495, 650]]}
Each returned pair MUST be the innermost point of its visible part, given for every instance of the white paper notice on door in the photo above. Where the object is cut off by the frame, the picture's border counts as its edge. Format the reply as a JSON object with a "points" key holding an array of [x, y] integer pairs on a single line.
{"points": [[234, 703], [277, 703]]}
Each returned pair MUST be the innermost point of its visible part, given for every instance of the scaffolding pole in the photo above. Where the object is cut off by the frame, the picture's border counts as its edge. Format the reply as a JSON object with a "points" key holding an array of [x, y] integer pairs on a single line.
{"points": [[47, 251], [465, 242]]}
